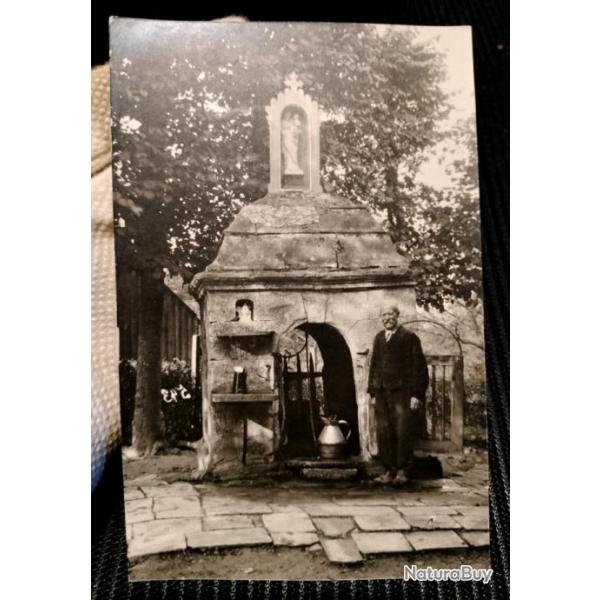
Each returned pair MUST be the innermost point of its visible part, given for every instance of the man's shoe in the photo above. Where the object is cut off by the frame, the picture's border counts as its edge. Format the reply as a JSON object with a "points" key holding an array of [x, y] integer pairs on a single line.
{"points": [[400, 479], [387, 477]]}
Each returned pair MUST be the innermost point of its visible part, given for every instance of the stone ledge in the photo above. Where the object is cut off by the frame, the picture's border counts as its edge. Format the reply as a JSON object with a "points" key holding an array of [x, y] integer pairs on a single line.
{"points": [[323, 463], [329, 474], [230, 329], [248, 397]]}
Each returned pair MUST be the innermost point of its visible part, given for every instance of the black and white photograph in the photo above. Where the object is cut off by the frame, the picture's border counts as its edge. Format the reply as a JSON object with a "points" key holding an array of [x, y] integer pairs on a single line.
{"points": [[299, 299]]}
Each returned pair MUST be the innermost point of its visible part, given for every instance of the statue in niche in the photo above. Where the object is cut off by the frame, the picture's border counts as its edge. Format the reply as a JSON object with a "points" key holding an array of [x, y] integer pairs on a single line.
{"points": [[291, 132], [244, 312]]}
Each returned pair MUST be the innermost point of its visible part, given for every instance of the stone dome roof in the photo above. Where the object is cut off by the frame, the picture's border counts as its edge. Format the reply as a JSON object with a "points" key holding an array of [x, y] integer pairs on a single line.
{"points": [[306, 234]]}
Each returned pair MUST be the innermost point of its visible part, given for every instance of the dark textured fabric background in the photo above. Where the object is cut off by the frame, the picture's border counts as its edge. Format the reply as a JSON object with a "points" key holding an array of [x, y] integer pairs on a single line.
{"points": [[490, 22]]}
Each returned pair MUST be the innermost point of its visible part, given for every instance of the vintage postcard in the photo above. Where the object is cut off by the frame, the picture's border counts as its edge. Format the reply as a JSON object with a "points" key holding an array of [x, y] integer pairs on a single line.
{"points": [[300, 311]]}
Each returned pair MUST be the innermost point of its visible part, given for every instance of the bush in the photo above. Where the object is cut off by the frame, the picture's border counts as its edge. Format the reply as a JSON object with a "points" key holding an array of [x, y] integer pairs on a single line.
{"points": [[181, 401]]}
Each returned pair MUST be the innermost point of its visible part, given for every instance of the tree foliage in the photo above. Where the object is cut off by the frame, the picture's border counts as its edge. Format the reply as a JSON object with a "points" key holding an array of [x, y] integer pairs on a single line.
{"points": [[438, 229], [191, 139]]}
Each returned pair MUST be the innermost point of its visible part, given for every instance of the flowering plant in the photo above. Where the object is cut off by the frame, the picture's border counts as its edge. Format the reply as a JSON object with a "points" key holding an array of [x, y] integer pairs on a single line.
{"points": [[181, 400]]}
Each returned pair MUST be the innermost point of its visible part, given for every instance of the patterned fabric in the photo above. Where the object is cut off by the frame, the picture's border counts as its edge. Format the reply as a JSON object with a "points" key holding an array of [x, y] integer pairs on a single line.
{"points": [[106, 424]]}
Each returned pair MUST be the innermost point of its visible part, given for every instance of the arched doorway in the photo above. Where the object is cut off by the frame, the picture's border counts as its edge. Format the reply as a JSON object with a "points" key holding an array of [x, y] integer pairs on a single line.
{"points": [[317, 380]]}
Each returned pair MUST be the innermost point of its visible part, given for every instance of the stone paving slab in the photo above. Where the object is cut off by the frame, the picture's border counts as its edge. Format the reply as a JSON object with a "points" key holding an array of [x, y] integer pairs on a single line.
{"points": [[334, 526], [294, 538], [227, 522], [452, 499], [149, 479], [167, 535], [133, 494], [432, 522], [166, 507], [428, 511], [139, 516], [383, 522], [473, 522], [435, 540], [473, 511], [277, 507], [477, 539], [343, 551], [138, 510], [288, 522], [142, 546], [253, 536], [442, 485], [138, 504], [381, 543], [410, 498], [164, 527], [176, 489], [236, 508], [334, 510], [407, 499]]}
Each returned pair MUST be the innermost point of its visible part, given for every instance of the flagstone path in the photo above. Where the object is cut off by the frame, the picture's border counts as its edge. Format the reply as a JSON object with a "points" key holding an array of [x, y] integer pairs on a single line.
{"points": [[348, 523]]}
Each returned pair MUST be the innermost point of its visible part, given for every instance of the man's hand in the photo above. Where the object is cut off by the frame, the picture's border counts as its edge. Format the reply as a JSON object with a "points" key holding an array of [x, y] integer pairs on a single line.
{"points": [[414, 403]]}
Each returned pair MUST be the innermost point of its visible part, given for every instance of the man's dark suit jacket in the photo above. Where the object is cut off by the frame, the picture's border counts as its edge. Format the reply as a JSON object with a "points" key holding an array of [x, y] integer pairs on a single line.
{"points": [[398, 364]]}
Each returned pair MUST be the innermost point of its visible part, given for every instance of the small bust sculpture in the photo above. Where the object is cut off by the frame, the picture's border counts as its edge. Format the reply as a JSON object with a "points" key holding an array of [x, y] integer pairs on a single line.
{"points": [[243, 312]]}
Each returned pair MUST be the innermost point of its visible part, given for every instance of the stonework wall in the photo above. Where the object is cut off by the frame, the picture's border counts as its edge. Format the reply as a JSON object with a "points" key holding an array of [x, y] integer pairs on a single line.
{"points": [[353, 312]]}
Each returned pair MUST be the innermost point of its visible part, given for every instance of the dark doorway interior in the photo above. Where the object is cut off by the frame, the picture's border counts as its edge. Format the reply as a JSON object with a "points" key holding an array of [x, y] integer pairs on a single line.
{"points": [[325, 384]]}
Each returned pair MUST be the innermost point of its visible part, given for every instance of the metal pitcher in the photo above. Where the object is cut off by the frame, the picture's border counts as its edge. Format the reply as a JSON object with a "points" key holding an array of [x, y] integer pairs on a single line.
{"points": [[332, 442]]}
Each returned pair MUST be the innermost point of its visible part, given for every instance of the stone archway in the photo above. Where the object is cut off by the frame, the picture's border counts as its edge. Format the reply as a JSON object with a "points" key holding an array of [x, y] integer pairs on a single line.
{"points": [[337, 391]]}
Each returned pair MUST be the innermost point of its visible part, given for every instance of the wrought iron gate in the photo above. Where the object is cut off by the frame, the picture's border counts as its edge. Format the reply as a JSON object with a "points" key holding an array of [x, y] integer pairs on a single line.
{"points": [[301, 403], [440, 420]]}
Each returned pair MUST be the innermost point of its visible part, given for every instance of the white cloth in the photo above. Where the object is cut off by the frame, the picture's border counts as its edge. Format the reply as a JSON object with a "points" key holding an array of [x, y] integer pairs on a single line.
{"points": [[389, 333]]}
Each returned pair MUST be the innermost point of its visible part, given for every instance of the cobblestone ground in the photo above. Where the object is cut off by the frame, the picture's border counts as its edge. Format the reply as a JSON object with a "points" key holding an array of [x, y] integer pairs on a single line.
{"points": [[348, 522]]}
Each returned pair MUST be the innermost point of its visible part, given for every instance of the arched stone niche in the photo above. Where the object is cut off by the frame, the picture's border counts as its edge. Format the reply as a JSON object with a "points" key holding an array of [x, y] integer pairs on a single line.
{"points": [[294, 149]]}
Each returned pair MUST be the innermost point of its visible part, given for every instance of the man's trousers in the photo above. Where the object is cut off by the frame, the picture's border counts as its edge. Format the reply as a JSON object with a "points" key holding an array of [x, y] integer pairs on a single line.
{"points": [[394, 431]]}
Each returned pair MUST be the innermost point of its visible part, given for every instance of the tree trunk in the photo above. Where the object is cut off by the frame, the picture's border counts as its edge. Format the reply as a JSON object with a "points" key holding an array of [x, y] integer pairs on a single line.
{"points": [[147, 418]]}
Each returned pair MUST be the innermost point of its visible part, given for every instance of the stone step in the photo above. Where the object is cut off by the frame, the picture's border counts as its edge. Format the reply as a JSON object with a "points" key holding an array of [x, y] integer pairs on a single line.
{"points": [[329, 474], [323, 463]]}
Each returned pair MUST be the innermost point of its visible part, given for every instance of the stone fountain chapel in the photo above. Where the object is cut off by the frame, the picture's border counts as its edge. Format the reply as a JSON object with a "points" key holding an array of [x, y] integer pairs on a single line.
{"points": [[290, 307]]}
